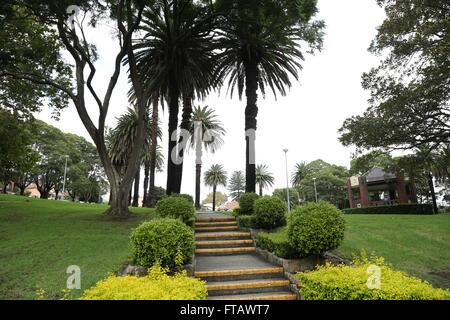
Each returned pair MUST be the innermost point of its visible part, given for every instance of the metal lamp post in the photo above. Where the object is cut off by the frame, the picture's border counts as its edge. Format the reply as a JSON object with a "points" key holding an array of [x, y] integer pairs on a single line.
{"points": [[64, 182], [287, 182], [315, 189]]}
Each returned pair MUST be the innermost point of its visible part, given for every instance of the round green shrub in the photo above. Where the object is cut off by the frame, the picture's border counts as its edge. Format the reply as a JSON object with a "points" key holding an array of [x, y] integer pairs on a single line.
{"points": [[181, 195], [236, 211], [246, 201], [162, 240], [178, 208], [315, 228], [269, 212]]}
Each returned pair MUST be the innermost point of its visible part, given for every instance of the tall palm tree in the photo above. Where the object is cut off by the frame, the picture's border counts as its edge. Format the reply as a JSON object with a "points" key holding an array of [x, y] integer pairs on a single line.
{"points": [[120, 139], [210, 137], [149, 170], [264, 178], [260, 41], [214, 177], [300, 172], [176, 56]]}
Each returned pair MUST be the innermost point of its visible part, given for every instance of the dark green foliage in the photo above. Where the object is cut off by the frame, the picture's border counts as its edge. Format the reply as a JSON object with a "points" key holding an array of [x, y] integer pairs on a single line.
{"points": [[413, 208], [269, 212], [177, 208], [277, 243], [159, 240], [246, 201], [237, 211], [246, 221], [182, 195], [315, 228]]}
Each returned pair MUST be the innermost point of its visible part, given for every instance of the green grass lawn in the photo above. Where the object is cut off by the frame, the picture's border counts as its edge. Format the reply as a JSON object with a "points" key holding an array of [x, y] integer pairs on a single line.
{"points": [[39, 239], [416, 244]]}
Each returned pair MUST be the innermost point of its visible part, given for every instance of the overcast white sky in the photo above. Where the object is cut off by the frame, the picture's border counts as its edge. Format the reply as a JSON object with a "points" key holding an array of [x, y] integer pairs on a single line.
{"points": [[305, 121]]}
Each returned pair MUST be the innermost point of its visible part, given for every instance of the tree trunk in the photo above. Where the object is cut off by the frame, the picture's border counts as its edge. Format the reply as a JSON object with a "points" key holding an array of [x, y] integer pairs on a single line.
{"points": [[56, 194], [260, 190], [185, 125], [198, 175], [433, 194], [151, 192], [146, 176], [251, 111], [172, 179], [119, 202], [5, 185], [214, 198], [137, 179]]}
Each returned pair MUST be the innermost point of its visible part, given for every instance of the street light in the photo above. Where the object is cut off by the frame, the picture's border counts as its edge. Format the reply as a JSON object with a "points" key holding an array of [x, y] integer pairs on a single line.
{"points": [[287, 182], [64, 182], [315, 189]]}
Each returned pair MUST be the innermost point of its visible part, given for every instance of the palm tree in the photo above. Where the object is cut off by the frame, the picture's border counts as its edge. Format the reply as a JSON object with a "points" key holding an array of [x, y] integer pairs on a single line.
{"points": [[264, 178], [120, 139], [214, 177], [176, 56], [149, 171], [210, 137], [299, 174], [260, 41]]}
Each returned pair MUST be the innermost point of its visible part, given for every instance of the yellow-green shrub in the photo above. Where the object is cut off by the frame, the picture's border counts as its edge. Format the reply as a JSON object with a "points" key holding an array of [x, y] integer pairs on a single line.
{"points": [[157, 285], [350, 283]]}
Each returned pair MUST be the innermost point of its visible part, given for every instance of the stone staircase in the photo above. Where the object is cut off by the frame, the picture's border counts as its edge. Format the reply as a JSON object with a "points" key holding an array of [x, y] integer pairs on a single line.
{"points": [[226, 259]]}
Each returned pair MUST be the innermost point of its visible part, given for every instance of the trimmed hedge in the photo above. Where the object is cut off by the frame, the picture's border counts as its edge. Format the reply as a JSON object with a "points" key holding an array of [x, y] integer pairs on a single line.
{"points": [[236, 211], [246, 201], [181, 195], [343, 282], [277, 243], [410, 208], [162, 241], [246, 221], [269, 212], [315, 228], [176, 207], [157, 285]]}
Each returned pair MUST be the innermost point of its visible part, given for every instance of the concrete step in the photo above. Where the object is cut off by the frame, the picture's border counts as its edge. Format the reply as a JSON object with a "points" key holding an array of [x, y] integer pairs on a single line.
{"points": [[215, 228], [225, 251], [223, 244], [216, 224], [242, 274], [223, 288], [231, 235], [215, 219], [281, 295]]}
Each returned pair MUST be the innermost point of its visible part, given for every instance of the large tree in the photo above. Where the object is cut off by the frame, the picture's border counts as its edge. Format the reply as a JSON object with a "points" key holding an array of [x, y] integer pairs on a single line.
{"points": [[175, 55], [264, 178], [410, 89], [70, 34], [260, 43], [236, 185], [208, 136], [215, 176]]}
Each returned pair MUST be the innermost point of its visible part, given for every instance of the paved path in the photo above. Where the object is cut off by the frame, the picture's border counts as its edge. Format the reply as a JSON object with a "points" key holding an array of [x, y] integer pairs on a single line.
{"points": [[226, 259]]}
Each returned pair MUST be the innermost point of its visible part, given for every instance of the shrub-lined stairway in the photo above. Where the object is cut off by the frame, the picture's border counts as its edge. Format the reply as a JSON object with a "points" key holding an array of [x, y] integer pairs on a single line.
{"points": [[225, 257]]}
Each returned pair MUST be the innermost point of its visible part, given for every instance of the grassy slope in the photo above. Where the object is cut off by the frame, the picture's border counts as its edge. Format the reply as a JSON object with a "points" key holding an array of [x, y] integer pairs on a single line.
{"points": [[416, 244], [39, 239]]}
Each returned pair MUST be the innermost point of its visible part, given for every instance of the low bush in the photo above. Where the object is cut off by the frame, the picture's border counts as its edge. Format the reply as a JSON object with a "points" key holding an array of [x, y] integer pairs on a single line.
{"points": [[157, 285], [277, 243], [315, 228], [181, 195], [176, 207], [162, 241], [352, 283], [246, 221], [236, 211], [246, 201], [409, 208], [269, 212]]}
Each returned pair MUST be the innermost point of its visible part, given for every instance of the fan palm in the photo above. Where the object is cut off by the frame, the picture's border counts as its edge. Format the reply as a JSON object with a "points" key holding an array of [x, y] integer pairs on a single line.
{"points": [[209, 136], [264, 178], [176, 57], [214, 177], [261, 48]]}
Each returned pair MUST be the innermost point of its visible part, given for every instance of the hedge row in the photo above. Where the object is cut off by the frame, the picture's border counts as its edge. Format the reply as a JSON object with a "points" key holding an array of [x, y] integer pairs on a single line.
{"points": [[410, 208], [277, 243]]}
